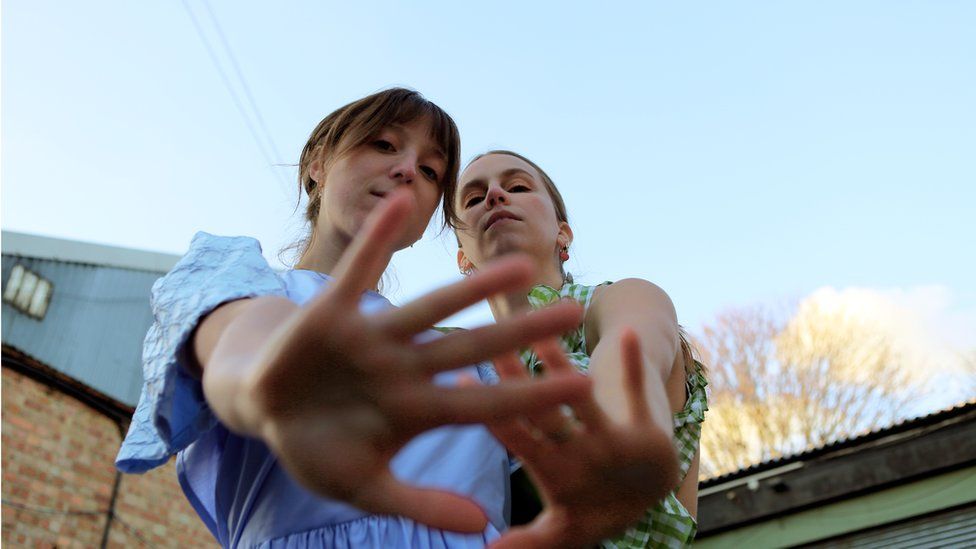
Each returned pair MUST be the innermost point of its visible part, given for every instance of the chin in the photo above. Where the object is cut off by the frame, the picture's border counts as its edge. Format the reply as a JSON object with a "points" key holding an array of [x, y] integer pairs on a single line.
{"points": [[504, 247]]}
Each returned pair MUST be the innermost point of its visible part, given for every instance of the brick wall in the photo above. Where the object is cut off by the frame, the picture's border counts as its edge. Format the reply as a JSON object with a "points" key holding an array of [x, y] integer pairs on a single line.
{"points": [[58, 473]]}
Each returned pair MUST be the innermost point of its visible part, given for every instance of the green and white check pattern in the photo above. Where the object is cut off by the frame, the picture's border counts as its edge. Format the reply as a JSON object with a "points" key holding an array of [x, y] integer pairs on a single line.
{"points": [[668, 524]]}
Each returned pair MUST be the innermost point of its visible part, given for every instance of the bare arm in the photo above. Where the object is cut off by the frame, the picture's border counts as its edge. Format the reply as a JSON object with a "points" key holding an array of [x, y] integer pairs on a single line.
{"points": [[308, 380], [646, 309], [227, 345]]}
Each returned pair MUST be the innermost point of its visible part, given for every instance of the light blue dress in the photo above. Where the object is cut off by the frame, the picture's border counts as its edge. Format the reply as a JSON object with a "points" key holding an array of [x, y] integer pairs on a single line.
{"points": [[234, 483]]}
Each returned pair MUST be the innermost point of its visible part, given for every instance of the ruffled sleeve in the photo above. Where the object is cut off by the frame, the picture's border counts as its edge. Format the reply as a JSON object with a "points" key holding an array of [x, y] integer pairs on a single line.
{"points": [[172, 411]]}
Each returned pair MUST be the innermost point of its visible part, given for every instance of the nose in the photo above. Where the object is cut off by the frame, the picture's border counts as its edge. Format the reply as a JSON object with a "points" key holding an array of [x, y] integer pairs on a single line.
{"points": [[404, 170], [496, 195]]}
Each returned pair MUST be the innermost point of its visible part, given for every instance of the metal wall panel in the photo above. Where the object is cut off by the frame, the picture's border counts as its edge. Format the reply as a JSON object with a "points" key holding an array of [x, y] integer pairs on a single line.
{"points": [[94, 326], [948, 528]]}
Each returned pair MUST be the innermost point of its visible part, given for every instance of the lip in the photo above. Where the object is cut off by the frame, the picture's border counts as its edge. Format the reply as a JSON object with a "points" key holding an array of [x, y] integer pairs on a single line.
{"points": [[498, 216]]}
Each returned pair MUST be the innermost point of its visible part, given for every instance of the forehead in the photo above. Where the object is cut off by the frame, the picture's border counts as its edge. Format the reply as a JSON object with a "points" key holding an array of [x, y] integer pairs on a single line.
{"points": [[492, 165], [421, 129]]}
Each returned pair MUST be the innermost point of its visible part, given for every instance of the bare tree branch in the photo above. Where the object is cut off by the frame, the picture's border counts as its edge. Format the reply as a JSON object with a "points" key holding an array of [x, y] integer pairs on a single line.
{"points": [[781, 386]]}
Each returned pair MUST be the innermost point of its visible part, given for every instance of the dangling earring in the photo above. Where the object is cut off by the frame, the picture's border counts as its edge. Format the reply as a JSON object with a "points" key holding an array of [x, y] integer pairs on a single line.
{"points": [[466, 271], [564, 254]]}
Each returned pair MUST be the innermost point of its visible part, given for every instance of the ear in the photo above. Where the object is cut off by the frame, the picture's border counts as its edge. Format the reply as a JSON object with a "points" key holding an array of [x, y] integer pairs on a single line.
{"points": [[565, 236], [462, 260], [316, 169]]}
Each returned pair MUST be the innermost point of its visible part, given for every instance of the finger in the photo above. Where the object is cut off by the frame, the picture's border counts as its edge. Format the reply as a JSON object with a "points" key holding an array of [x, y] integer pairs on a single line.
{"points": [[436, 508], [590, 415], [586, 411], [469, 346], [633, 363], [520, 440], [505, 275], [363, 263], [558, 423], [467, 380], [554, 357], [543, 532], [509, 366], [429, 406]]}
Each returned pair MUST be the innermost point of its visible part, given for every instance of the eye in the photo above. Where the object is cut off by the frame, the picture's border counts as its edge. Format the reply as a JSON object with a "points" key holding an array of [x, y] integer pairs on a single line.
{"points": [[519, 189], [384, 145], [429, 172], [473, 201]]}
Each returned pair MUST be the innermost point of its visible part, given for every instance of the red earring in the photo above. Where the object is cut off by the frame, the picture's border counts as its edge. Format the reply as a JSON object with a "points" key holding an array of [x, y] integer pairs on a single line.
{"points": [[564, 254]]}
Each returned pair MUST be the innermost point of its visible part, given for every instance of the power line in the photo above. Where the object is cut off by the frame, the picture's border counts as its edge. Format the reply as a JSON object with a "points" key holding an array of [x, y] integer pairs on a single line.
{"points": [[49, 511], [76, 512], [271, 157], [133, 531], [242, 80]]}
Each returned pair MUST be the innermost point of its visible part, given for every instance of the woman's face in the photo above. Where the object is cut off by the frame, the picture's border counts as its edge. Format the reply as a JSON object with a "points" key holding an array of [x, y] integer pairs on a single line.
{"points": [[400, 156], [504, 207]]}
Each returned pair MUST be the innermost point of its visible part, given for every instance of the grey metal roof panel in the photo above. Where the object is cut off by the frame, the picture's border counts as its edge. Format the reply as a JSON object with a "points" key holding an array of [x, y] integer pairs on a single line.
{"points": [[900, 426], [94, 326], [73, 251]]}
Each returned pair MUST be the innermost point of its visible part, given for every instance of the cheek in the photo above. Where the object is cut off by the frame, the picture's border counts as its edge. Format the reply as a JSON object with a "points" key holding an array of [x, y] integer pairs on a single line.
{"points": [[427, 202], [469, 244], [542, 206], [540, 211], [431, 197], [335, 200], [467, 217]]}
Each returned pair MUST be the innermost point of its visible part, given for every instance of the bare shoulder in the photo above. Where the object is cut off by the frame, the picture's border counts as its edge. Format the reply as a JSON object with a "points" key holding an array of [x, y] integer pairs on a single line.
{"points": [[631, 294], [630, 303]]}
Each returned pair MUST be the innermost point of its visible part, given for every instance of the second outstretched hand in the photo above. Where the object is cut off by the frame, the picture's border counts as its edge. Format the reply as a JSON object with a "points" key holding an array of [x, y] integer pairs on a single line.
{"points": [[336, 393], [596, 477]]}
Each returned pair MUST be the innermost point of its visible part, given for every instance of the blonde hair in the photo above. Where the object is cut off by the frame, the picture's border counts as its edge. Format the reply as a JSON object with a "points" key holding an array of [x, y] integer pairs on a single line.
{"points": [[687, 350], [557, 198]]}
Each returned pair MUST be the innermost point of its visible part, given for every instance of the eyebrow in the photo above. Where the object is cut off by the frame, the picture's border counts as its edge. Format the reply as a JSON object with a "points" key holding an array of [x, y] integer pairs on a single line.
{"points": [[481, 182]]}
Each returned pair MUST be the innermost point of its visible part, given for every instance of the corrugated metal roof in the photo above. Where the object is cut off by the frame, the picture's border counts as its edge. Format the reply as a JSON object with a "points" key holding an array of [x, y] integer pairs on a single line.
{"points": [[839, 444], [97, 318], [73, 251]]}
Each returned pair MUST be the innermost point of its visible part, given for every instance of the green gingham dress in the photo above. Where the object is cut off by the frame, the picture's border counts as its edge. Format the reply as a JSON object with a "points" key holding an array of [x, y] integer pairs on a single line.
{"points": [[668, 524]]}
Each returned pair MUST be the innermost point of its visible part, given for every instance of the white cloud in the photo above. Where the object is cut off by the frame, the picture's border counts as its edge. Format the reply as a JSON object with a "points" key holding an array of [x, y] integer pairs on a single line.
{"points": [[928, 324]]}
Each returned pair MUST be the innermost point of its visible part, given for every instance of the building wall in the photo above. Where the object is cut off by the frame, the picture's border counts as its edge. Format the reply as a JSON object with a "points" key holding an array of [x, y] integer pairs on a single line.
{"points": [[94, 326], [58, 475], [917, 512]]}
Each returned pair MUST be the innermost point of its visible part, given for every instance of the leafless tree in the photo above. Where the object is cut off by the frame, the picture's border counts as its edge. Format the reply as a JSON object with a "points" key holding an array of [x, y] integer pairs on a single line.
{"points": [[782, 383], [968, 384]]}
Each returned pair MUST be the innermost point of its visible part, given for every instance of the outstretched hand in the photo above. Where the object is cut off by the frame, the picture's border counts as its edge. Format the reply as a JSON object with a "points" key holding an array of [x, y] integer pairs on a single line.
{"points": [[340, 392], [596, 477]]}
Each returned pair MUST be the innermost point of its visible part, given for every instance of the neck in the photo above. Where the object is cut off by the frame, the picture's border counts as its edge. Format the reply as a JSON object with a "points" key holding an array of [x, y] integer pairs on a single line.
{"points": [[507, 305], [324, 252]]}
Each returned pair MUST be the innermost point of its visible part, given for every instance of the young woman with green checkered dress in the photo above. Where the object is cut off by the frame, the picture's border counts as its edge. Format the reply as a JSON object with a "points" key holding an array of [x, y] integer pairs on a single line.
{"points": [[620, 469]]}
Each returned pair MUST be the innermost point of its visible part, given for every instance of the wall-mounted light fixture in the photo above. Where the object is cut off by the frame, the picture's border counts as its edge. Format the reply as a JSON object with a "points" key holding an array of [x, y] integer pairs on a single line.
{"points": [[28, 292]]}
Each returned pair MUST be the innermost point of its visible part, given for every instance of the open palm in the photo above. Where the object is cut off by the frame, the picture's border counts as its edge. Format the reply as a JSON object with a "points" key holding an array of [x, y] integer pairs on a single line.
{"points": [[341, 392], [596, 477]]}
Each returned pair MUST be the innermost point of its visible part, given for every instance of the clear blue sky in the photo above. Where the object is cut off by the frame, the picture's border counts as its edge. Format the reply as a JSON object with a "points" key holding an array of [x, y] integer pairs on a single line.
{"points": [[739, 153]]}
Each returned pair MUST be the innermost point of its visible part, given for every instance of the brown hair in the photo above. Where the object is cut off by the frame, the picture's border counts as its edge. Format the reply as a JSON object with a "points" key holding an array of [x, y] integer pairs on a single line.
{"points": [[360, 121]]}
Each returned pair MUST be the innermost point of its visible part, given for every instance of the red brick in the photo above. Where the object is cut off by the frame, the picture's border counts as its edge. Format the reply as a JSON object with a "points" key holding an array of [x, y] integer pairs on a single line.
{"points": [[58, 454]]}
